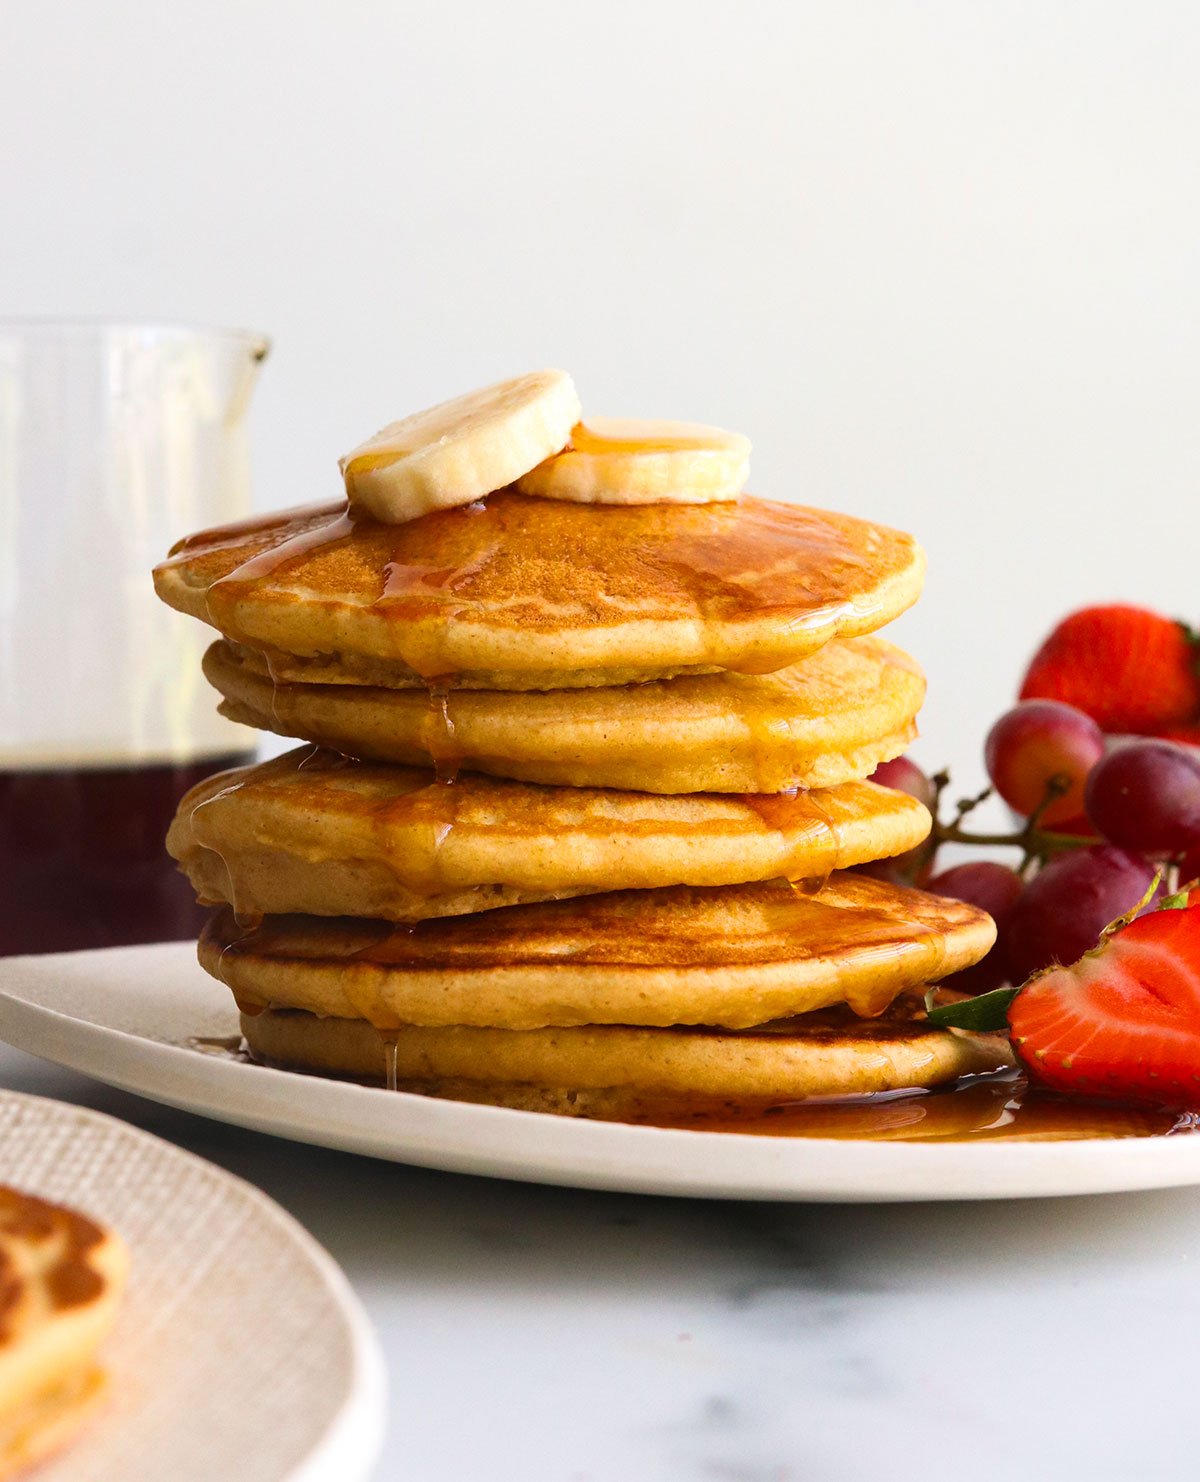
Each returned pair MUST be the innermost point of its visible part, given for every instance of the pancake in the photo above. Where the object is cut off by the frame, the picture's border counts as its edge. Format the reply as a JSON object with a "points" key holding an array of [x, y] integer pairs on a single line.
{"points": [[619, 1071], [316, 833], [61, 1277], [518, 592], [828, 720], [731, 955]]}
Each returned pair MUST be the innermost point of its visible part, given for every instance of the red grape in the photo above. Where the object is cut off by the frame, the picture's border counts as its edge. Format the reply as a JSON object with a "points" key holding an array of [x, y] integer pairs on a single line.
{"points": [[994, 888], [1146, 796], [1069, 902], [1036, 741], [901, 869], [903, 775]]}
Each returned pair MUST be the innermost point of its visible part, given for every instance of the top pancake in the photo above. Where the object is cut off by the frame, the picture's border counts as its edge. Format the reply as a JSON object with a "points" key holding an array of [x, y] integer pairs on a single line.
{"points": [[523, 593]]}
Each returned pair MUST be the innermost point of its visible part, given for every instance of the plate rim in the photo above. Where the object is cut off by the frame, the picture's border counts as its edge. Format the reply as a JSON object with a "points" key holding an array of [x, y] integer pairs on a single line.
{"points": [[478, 1139], [353, 1440]]}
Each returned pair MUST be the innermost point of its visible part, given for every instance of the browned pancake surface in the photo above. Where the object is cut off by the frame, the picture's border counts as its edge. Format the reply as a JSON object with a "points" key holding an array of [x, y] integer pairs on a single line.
{"points": [[522, 588], [317, 833], [735, 955], [826, 720], [617, 1069]]}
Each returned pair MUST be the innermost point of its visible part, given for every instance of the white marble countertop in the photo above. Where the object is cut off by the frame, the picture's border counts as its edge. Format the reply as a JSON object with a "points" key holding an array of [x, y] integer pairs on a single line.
{"points": [[544, 1335]]}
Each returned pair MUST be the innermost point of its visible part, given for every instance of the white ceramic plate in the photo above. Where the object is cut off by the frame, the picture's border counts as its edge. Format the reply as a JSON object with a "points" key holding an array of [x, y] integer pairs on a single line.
{"points": [[126, 1016], [239, 1351]]}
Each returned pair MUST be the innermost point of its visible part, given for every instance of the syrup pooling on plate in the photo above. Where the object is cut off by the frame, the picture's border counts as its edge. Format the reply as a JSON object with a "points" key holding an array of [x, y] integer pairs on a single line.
{"points": [[1001, 1107], [219, 1046], [995, 1107]]}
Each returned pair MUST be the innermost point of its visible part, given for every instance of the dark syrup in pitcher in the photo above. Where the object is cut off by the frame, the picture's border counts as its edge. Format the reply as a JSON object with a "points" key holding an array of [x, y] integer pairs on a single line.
{"points": [[82, 860]]}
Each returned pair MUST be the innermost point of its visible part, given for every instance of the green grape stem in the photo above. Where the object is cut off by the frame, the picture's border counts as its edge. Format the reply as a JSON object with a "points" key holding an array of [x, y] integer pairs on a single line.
{"points": [[1035, 842]]}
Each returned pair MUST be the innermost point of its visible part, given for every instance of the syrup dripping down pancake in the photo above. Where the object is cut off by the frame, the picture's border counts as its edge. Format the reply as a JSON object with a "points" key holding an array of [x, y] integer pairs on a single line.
{"points": [[731, 955], [828, 720], [518, 592], [316, 833]]}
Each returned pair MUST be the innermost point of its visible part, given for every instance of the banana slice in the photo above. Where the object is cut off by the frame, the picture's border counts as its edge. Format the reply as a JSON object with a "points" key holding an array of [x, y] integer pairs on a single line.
{"points": [[623, 461], [460, 450]]}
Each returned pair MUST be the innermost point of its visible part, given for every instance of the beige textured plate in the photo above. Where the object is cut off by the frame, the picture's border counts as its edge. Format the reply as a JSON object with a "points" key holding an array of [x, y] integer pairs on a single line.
{"points": [[240, 1351], [125, 1016]]}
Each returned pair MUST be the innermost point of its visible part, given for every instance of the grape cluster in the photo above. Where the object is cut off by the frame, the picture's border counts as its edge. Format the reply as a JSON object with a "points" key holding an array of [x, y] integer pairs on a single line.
{"points": [[1101, 819]]}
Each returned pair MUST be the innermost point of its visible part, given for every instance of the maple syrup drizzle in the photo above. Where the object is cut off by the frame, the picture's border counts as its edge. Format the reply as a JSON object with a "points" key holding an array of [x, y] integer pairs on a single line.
{"points": [[333, 526], [390, 1042], [323, 759], [817, 838], [438, 736], [1000, 1107], [247, 930], [632, 437], [238, 532]]}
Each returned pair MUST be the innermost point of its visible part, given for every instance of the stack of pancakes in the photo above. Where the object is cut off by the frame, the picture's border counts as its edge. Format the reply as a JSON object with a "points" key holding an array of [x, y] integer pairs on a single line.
{"points": [[584, 783]]}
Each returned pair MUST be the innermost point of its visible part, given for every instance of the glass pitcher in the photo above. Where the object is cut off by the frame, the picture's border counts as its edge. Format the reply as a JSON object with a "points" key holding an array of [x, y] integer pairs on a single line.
{"points": [[115, 440]]}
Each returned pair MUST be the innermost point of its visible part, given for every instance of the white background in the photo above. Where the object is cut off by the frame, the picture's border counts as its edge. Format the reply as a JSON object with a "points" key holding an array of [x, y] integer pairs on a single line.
{"points": [[938, 260]]}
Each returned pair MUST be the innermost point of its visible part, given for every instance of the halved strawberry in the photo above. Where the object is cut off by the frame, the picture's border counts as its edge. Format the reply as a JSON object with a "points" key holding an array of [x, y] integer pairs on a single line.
{"points": [[1122, 1022], [1130, 669]]}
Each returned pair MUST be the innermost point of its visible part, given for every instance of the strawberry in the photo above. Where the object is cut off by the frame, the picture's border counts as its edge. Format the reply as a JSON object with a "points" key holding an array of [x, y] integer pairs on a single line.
{"points": [[1130, 669], [1122, 1022]]}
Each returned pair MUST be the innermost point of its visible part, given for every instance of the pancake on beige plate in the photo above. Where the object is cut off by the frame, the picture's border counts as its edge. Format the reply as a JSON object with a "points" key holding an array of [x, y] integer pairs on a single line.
{"points": [[621, 1071], [61, 1277], [517, 592], [734, 955], [316, 833], [827, 720]]}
